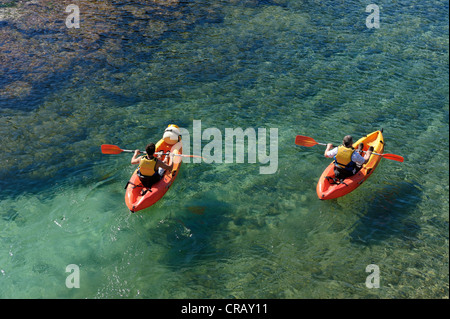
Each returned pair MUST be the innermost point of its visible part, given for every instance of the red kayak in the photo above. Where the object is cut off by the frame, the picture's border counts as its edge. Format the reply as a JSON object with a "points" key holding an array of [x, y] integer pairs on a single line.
{"points": [[138, 197], [328, 187]]}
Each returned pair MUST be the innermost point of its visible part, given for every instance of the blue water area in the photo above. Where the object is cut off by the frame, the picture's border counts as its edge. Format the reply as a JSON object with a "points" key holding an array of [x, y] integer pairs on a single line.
{"points": [[223, 230]]}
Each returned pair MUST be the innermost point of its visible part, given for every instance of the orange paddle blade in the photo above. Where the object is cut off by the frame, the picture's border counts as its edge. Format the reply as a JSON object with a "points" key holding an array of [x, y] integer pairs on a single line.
{"points": [[305, 141], [111, 149], [393, 157]]}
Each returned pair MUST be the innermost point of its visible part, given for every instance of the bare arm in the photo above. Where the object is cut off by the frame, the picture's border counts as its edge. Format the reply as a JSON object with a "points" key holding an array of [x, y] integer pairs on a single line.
{"points": [[360, 159], [164, 165], [135, 159], [329, 147], [368, 153]]}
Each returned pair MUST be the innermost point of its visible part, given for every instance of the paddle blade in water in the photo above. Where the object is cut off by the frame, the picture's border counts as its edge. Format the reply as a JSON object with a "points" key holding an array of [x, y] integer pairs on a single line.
{"points": [[305, 141], [111, 149], [199, 210]]}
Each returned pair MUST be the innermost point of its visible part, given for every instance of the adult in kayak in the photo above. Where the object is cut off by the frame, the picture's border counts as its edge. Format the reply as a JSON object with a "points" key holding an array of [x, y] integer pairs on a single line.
{"points": [[347, 160], [150, 169]]}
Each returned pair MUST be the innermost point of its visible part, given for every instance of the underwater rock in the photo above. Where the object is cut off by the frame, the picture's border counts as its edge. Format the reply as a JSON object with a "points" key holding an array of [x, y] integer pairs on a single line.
{"points": [[18, 89], [40, 55], [37, 46]]}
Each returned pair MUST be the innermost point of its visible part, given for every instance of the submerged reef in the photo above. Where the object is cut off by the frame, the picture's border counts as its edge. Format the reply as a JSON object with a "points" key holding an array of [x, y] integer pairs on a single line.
{"points": [[58, 84], [37, 47]]}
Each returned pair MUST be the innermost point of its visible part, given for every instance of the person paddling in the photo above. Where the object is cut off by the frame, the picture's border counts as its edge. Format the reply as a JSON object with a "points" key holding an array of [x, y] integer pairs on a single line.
{"points": [[151, 169], [347, 160]]}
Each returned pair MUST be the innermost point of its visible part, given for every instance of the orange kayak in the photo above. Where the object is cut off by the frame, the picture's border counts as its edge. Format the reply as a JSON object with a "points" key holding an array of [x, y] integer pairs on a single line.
{"points": [[327, 188], [138, 197]]}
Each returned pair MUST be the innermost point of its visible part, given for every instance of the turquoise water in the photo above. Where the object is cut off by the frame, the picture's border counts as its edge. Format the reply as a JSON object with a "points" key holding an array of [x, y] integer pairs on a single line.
{"points": [[223, 230]]}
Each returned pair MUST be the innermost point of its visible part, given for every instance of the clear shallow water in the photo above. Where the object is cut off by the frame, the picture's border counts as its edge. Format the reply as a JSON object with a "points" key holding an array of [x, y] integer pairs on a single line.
{"points": [[224, 230]]}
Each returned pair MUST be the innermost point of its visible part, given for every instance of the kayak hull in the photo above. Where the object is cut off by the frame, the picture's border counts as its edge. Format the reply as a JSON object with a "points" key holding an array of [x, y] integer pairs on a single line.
{"points": [[326, 189], [138, 197]]}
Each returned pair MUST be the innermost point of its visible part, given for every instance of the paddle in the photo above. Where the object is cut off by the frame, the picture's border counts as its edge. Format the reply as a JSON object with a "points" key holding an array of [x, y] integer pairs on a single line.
{"points": [[309, 142], [114, 149], [306, 141]]}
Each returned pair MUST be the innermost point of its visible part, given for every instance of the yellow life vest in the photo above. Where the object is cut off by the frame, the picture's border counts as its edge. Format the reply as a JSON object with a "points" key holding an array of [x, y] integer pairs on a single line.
{"points": [[147, 166], [343, 158], [162, 146]]}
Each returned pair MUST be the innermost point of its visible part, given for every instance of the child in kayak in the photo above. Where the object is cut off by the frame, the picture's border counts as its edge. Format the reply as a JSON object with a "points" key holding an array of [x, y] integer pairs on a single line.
{"points": [[347, 160], [151, 169]]}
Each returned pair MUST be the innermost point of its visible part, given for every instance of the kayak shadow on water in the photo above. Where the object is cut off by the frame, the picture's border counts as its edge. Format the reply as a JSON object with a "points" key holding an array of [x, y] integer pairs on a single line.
{"points": [[389, 215], [193, 232]]}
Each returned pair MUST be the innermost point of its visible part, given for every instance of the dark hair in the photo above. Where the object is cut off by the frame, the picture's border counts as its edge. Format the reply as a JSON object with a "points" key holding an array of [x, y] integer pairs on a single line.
{"points": [[348, 140], [150, 149]]}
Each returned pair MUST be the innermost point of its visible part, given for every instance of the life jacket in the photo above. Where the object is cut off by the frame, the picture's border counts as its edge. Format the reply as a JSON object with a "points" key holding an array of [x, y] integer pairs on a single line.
{"points": [[343, 158], [147, 166], [163, 146]]}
